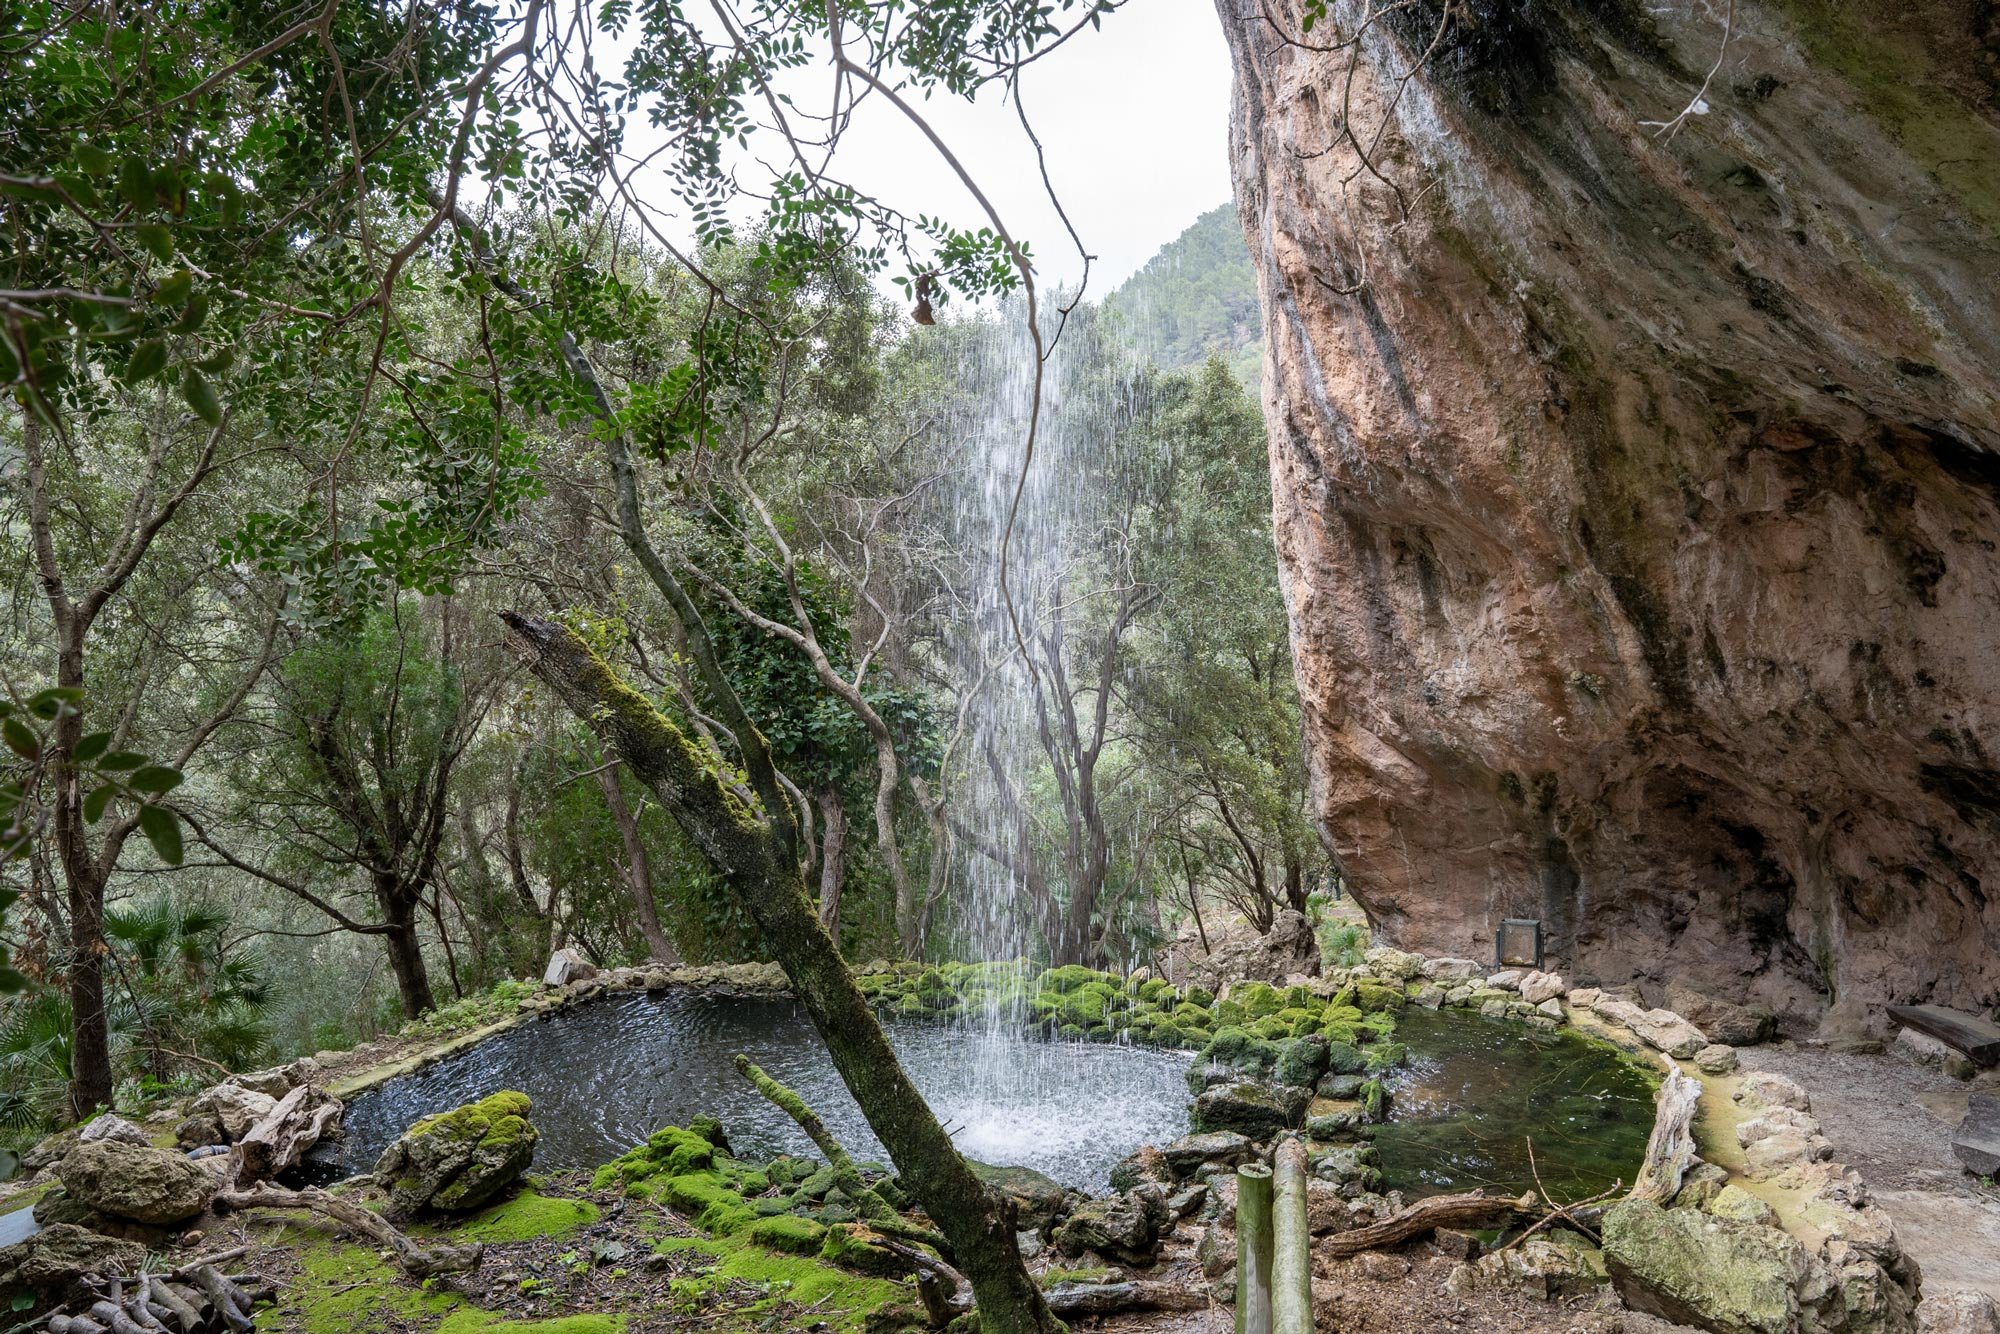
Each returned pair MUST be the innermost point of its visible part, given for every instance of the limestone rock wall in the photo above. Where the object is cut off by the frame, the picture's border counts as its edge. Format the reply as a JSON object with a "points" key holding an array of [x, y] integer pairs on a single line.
{"points": [[1637, 494]]}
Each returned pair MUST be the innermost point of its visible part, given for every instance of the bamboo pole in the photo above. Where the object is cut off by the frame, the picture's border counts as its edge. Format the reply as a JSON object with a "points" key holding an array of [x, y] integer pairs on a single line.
{"points": [[1291, 1258], [1253, 1249]]}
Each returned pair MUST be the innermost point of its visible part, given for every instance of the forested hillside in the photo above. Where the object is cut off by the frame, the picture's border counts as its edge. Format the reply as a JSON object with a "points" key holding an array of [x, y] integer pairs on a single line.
{"points": [[1197, 298]]}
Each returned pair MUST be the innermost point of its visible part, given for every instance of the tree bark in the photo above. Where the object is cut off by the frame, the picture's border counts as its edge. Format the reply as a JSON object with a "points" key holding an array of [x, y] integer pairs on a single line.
{"points": [[832, 859], [762, 872], [406, 949], [638, 869]]}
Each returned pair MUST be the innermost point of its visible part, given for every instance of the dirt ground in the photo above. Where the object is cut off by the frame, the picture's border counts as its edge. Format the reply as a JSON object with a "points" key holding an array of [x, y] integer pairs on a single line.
{"points": [[1891, 1117]]}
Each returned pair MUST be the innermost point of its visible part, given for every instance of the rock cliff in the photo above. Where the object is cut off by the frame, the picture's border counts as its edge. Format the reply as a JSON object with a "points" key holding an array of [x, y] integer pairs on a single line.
{"points": [[1637, 494]]}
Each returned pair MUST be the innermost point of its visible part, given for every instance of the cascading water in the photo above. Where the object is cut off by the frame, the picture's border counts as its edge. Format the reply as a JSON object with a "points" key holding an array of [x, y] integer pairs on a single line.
{"points": [[1015, 860]]}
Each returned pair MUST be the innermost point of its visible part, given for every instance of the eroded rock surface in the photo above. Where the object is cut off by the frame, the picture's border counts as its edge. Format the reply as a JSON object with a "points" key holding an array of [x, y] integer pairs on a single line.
{"points": [[462, 1158], [1637, 494]]}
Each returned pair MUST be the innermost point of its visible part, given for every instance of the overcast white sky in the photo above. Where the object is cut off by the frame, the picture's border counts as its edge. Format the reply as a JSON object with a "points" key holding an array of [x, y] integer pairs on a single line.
{"points": [[1135, 122], [1134, 119]]}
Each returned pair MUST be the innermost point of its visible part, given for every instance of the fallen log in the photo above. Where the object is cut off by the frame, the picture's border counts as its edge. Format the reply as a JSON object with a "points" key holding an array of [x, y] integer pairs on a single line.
{"points": [[1470, 1210], [1068, 1299], [416, 1261], [1670, 1151], [876, 1211]]}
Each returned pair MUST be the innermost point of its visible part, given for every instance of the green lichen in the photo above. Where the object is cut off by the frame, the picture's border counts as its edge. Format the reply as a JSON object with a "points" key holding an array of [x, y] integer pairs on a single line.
{"points": [[841, 1299], [783, 1232]]}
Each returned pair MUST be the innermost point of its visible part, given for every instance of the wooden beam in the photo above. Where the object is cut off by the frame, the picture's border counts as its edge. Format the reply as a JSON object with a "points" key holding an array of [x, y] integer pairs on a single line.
{"points": [[1977, 1039]]}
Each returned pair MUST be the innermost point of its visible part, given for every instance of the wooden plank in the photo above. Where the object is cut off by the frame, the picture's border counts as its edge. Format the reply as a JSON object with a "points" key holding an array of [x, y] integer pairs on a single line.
{"points": [[1978, 1039]]}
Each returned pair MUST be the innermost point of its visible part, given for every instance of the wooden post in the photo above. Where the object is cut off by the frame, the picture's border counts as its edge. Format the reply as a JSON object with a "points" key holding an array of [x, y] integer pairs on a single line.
{"points": [[1253, 1249], [1291, 1240]]}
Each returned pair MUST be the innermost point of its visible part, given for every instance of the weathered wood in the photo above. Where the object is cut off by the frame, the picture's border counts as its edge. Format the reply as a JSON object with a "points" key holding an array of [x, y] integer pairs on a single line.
{"points": [[1670, 1150], [1068, 1299], [1253, 1249], [282, 1135], [1977, 1039], [1291, 1242], [1470, 1210], [416, 1261]]}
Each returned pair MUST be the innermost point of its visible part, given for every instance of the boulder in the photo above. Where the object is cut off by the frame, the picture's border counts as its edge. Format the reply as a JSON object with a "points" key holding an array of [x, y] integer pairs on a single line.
{"points": [[1507, 979], [1976, 1142], [1351, 1169], [1716, 1274], [37, 1271], [1452, 970], [1538, 986], [1558, 1263], [1147, 1164], [1958, 1311], [199, 1132], [462, 1158], [1736, 1203], [1189, 1152], [234, 1108], [1120, 1227], [1583, 998], [111, 1126], [567, 966], [1255, 1109], [1393, 964], [1723, 1020], [1038, 1199], [1761, 1088], [136, 1181], [279, 1080]]}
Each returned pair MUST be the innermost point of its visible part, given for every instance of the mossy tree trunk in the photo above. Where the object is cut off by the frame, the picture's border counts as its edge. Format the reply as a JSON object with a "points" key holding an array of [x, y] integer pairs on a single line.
{"points": [[757, 862]]}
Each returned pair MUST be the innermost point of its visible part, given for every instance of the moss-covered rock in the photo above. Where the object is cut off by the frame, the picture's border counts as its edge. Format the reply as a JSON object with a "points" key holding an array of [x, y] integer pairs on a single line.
{"points": [[1254, 1109], [528, 1215], [1693, 1268], [461, 1158], [796, 1236]]}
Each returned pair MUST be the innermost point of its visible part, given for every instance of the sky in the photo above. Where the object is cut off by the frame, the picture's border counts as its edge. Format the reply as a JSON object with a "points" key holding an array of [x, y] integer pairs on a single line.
{"points": [[1134, 119]]}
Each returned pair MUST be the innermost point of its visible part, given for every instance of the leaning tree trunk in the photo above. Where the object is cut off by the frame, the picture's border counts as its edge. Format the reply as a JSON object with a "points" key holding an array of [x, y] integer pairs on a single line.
{"points": [[737, 840]]}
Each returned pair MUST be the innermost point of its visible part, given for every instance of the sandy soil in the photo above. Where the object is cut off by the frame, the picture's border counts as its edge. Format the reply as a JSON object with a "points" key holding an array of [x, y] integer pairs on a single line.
{"points": [[1891, 1118]]}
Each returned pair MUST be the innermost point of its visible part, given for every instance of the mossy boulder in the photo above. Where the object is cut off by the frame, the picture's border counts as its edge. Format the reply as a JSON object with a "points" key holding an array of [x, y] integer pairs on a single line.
{"points": [[462, 1158], [1255, 1109], [795, 1236], [852, 1246], [136, 1182], [1302, 1060], [1344, 1058], [1695, 1269], [1038, 1198]]}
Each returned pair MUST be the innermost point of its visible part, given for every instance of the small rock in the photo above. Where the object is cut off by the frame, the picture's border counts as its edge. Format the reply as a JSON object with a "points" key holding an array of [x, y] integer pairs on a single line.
{"points": [[1393, 964], [1456, 1243], [1431, 996], [1551, 1008], [1507, 979], [1254, 1109], [1030, 1244], [1451, 970], [234, 1107], [1382, 1267], [1715, 1059], [1724, 1020], [199, 1132], [1147, 1164], [1584, 997], [1121, 1227], [1736, 1203], [1701, 1184]]}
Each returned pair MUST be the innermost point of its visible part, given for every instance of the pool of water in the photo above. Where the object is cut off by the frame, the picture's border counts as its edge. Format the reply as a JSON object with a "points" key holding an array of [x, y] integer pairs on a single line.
{"points": [[1486, 1103], [1477, 1098], [607, 1075]]}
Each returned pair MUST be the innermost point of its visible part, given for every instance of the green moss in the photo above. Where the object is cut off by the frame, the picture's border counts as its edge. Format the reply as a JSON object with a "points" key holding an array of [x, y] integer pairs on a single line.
{"points": [[1068, 978], [485, 1322], [527, 1215], [1344, 1058], [1230, 1012], [1379, 996], [795, 1236], [499, 1118], [709, 1199], [351, 1290], [1259, 999], [1201, 996], [1056, 1277], [851, 1246]]}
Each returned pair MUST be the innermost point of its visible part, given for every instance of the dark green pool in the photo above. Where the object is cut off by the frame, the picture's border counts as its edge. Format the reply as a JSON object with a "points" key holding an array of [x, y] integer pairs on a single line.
{"points": [[1479, 1095]]}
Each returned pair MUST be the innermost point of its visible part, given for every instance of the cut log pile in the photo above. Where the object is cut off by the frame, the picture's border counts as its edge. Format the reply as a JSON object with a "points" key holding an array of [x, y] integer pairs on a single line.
{"points": [[197, 1298]]}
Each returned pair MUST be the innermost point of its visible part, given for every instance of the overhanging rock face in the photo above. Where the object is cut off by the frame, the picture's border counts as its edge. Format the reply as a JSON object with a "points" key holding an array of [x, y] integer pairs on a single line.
{"points": [[1638, 495]]}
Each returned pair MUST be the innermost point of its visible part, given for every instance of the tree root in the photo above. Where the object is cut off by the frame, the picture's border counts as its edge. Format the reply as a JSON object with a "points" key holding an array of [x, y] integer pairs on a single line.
{"points": [[1424, 1216], [416, 1261]]}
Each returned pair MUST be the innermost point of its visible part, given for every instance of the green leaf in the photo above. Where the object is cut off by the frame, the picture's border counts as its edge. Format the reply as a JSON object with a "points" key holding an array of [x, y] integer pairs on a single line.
{"points": [[148, 360], [93, 159], [191, 318], [157, 238], [21, 739], [175, 289], [94, 804], [163, 831], [201, 396], [119, 760], [135, 183], [154, 778], [92, 746]]}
